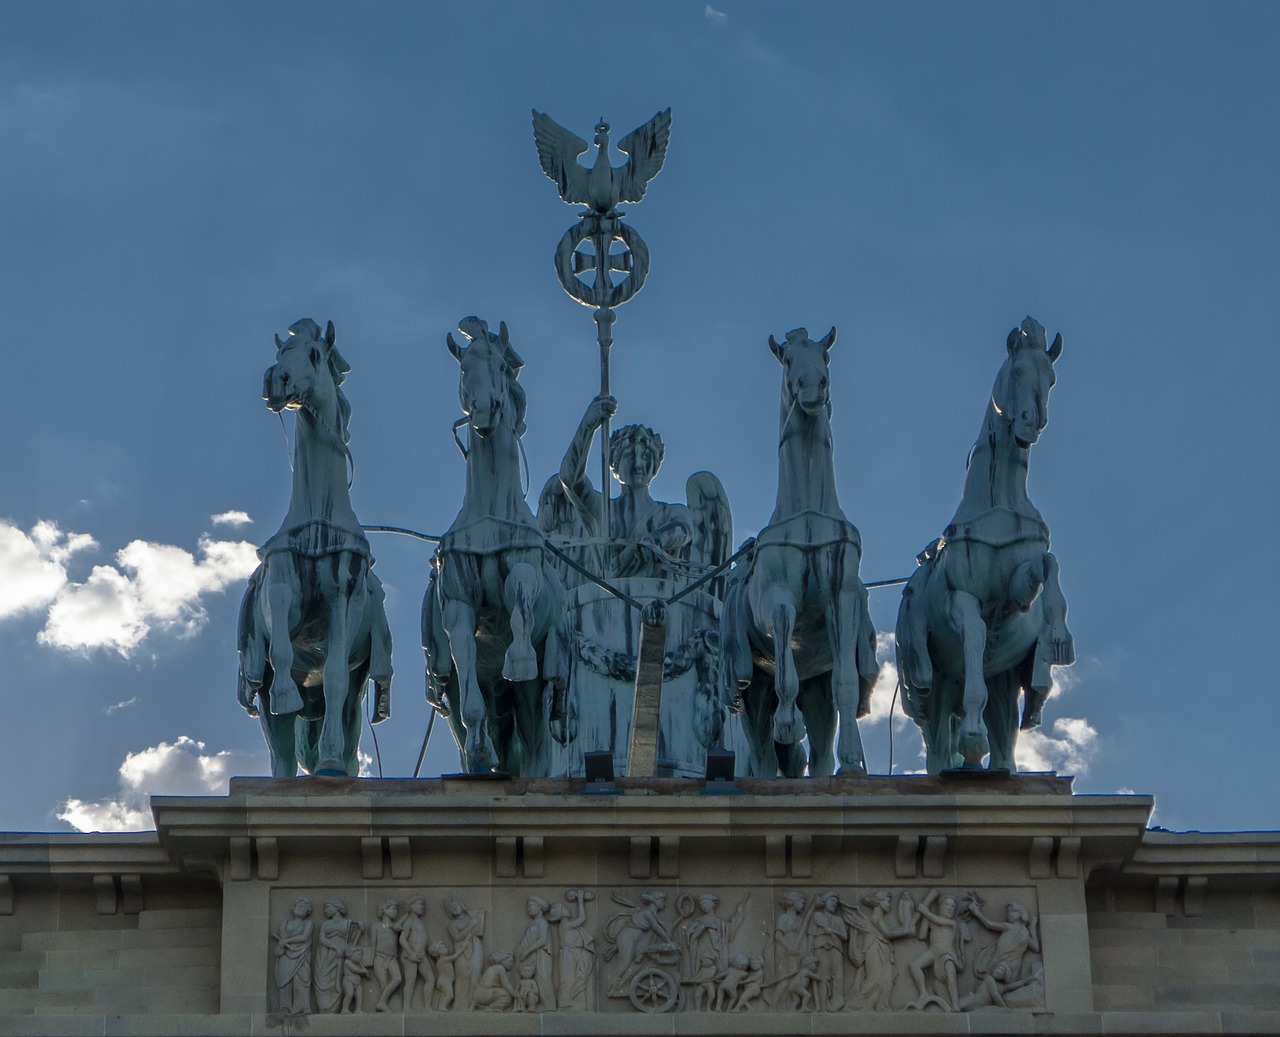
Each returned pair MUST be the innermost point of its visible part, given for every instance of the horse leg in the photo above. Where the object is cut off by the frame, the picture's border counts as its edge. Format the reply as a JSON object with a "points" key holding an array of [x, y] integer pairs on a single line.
{"points": [[966, 616], [353, 713], [1001, 718], [530, 710], [844, 624], [278, 731], [818, 710], [459, 618], [380, 671], [283, 697], [757, 726], [788, 727], [519, 592], [347, 600]]}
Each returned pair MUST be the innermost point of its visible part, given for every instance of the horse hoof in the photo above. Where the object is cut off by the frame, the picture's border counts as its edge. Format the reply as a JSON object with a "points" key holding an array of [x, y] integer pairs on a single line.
{"points": [[284, 698], [788, 732], [330, 769], [520, 665], [973, 748]]}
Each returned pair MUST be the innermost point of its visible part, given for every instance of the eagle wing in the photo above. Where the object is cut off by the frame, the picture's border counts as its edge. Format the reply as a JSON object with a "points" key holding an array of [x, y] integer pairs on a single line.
{"points": [[646, 148], [558, 151]]}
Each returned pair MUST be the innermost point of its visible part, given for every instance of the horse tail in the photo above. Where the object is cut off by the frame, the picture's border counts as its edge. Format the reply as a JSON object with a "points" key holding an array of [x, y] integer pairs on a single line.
{"points": [[251, 645], [736, 661]]}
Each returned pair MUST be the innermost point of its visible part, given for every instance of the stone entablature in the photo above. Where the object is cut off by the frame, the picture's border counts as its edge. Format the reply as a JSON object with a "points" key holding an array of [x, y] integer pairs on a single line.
{"points": [[659, 910]]}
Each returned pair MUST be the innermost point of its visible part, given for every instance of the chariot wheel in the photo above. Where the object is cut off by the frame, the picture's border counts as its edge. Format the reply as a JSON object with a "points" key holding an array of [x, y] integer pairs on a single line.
{"points": [[653, 991]]}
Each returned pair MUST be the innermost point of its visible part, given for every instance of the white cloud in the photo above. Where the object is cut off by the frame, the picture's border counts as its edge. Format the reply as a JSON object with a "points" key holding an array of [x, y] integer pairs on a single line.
{"points": [[715, 17], [232, 518], [1069, 749], [33, 566], [156, 586], [121, 705], [181, 768]]}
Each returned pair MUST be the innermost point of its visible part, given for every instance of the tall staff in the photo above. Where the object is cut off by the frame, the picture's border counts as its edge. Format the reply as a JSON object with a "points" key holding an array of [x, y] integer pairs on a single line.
{"points": [[589, 245]]}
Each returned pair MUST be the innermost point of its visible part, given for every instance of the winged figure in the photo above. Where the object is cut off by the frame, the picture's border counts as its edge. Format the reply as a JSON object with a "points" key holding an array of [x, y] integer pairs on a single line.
{"points": [[602, 187]]}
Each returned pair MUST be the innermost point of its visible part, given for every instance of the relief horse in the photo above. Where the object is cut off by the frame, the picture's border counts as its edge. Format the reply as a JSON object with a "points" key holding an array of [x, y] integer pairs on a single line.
{"points": [[983, 618], [797, 639], [313, 627], [493, 616]]}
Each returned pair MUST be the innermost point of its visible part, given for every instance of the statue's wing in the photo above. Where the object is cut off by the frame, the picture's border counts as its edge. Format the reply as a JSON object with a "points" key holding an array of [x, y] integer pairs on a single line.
{"points": [[646, 148], [712, 522], [558, 151]]}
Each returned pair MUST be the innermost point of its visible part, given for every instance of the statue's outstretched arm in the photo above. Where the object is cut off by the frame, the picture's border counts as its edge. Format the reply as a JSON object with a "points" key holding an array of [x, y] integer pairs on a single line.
{"points": [[573, 469]]}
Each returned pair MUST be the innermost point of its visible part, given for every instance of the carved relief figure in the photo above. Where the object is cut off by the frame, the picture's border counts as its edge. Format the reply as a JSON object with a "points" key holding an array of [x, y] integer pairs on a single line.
{"points": [[577, 951], [527, 993], [794, 991], [354, 972], [331, 948], [827, 933], [444, 966], [413, 955], [494, 992], [466, 930], [313, 628], [1000, 966], [631, 933], [712, 935], [385, 936], [874, 945], [293, 959], [944, 954], [786, 943], [983, 620], [798, 643], [494, 607], [534, 949]]}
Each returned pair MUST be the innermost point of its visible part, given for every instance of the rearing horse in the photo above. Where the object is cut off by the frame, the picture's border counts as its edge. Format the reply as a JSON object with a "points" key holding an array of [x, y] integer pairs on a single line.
{"points": [[313, 629], [494, 608], [984, 617], [795, 631]]}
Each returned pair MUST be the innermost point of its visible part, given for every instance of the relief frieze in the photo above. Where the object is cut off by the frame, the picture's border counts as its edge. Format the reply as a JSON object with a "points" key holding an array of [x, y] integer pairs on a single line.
{"points": [[655, 950]]}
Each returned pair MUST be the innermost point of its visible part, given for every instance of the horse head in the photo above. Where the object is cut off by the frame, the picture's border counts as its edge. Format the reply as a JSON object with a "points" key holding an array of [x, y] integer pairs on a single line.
{"points": [[1021, 393], [806, 383], [307, 371], [487, 390]]}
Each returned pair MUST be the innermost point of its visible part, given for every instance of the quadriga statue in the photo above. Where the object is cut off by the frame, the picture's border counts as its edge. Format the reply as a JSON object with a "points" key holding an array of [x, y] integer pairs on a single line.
{"points": [[983, 619], [798, 643], [494, 607], [313, 629]]}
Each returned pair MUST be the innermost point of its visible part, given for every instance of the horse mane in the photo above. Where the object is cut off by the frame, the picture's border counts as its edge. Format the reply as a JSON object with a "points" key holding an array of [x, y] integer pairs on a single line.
{"points": [[518, 397], [338, 368]]}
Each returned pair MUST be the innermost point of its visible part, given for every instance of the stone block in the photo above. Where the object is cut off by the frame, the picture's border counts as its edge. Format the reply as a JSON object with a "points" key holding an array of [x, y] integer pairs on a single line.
{"points": [[1127, 920], [1074, 1024], [61, 1025], [181, 1025], [1251, 1022], [1162, 1023], [180, 918], [208, 956], [201, 936], [1114, 998]]}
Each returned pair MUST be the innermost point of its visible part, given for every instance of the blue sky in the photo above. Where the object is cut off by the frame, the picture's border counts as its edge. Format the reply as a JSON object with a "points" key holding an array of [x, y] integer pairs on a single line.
{"points": [[180, 182]]}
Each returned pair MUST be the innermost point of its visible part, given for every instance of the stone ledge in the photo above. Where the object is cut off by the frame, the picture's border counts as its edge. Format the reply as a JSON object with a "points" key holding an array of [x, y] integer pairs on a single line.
{"points": [[1086, 1024]]}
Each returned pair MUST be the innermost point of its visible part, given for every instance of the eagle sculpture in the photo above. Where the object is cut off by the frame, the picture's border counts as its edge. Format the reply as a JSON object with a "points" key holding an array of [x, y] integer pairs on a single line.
{"points": [[601, 187]]}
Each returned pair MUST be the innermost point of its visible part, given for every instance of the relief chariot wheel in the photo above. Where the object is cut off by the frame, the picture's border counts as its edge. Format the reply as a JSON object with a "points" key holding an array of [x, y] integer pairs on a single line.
{"points": [[653, 991]]}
